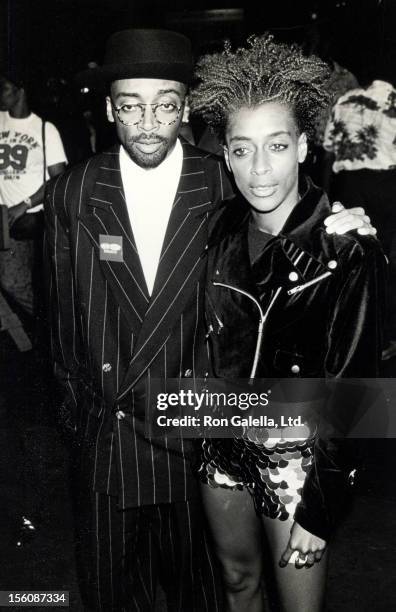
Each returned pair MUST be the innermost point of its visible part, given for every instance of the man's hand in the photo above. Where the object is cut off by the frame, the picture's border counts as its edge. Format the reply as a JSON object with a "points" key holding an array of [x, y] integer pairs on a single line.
{"points": [[304, 546], [346, 219], [15, 212]]}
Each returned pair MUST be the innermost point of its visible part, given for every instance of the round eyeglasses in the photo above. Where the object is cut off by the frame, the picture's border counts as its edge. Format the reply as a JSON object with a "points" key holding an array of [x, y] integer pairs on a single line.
{"points": [[165, 113]]}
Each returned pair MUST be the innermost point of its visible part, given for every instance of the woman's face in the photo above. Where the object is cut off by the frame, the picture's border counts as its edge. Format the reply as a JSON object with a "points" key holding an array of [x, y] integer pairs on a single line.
{"points": [[263, 150]]}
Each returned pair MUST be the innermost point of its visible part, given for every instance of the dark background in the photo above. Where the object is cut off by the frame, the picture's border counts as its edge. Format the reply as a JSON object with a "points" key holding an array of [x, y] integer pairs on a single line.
{"points": [[56, 38]]}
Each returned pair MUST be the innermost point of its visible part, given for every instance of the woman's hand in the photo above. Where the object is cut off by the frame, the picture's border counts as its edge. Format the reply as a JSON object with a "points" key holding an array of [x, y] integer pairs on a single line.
{"points": [[346, 219], [304, 546]]}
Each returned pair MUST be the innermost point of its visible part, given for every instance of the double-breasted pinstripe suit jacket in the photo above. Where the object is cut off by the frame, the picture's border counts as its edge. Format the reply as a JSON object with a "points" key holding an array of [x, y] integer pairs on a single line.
{"points": [[109, 337]]}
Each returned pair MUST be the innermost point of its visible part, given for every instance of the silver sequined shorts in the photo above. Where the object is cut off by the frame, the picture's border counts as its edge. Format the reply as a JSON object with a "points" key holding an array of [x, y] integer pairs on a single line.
{"points": [[273, 471]]}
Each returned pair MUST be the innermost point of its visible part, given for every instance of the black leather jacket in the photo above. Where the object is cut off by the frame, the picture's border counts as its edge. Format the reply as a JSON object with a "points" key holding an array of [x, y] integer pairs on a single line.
{"points": [[318, 299]]}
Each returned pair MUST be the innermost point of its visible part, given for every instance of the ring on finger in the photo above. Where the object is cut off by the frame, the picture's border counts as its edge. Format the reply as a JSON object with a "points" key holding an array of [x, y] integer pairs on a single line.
{"points": [[301, 559]]}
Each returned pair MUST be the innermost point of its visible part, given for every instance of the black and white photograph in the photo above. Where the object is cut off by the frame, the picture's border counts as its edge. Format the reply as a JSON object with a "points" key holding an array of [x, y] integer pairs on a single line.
{"points": [[198, 305]]}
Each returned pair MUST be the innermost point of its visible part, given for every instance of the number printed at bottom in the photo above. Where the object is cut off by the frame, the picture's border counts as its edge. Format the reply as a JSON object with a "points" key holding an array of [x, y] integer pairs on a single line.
{"points": [[9, 599]]}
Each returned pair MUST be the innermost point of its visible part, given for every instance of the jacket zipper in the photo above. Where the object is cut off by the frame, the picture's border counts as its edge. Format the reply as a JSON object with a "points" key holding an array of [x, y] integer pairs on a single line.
{"points": [[263, 318], [308, 284]]}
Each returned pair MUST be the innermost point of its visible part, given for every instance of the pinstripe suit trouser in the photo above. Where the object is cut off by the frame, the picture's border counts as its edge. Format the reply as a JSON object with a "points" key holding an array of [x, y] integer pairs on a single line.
{"points": [[123, 555]]}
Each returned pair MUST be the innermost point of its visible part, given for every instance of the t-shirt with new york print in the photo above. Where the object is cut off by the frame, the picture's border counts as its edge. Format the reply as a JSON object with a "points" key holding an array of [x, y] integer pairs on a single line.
{"points": [[22, 156]]}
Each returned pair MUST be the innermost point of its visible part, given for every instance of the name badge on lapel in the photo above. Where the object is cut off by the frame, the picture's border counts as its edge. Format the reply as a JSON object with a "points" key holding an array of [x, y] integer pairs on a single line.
{"points": [[110, 248]]}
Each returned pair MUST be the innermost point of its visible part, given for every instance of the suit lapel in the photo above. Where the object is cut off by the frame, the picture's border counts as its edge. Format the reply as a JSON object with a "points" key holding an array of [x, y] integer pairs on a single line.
{"points": [[181, 262], [105, 212]]}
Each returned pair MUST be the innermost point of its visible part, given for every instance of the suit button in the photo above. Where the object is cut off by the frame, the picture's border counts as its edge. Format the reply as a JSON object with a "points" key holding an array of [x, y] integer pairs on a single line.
{"points": [[106, 367], [293, 276], [332, 264], [187, 373], [120, 415], [295, 369]]}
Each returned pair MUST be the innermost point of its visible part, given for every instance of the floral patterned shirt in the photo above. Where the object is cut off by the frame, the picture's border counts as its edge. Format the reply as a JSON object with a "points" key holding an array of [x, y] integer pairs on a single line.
{"points": [[340, 81], [361, 131]]}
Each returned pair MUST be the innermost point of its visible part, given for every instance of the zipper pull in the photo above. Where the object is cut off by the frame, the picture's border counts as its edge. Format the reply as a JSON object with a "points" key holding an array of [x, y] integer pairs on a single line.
{"points": [[308, 284], [219, 323]]}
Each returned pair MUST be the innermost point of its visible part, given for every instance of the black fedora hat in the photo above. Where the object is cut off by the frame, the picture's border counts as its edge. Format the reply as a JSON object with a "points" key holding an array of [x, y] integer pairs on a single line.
{"points": [[138, 53]]}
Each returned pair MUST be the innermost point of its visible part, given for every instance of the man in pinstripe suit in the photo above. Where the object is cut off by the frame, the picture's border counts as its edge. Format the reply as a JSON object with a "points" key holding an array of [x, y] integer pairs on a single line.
{"points": [[126, 238], [119, 320]]}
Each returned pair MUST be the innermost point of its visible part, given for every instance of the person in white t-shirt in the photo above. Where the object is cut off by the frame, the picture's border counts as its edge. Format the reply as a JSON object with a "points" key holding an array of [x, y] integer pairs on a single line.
{"points": [[25, 148], [24, 169]]}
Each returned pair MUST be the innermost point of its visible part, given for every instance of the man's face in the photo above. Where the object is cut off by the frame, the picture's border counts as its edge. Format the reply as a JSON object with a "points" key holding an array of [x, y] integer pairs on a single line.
{"points": [[9, 94], [148, 142], [263, 150]]}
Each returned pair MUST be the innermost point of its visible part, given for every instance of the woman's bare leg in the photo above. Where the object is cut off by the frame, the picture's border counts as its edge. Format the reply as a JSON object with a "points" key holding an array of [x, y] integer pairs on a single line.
{"points": [[299, 589], [237, 535]]}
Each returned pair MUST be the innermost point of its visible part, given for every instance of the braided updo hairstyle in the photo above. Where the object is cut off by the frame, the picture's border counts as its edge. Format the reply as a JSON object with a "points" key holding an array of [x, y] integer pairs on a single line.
{"points": [[265, 71]]}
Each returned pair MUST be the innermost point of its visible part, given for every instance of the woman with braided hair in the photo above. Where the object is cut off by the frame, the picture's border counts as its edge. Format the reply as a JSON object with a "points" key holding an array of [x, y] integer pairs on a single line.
{"points": [[315, 298]]}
